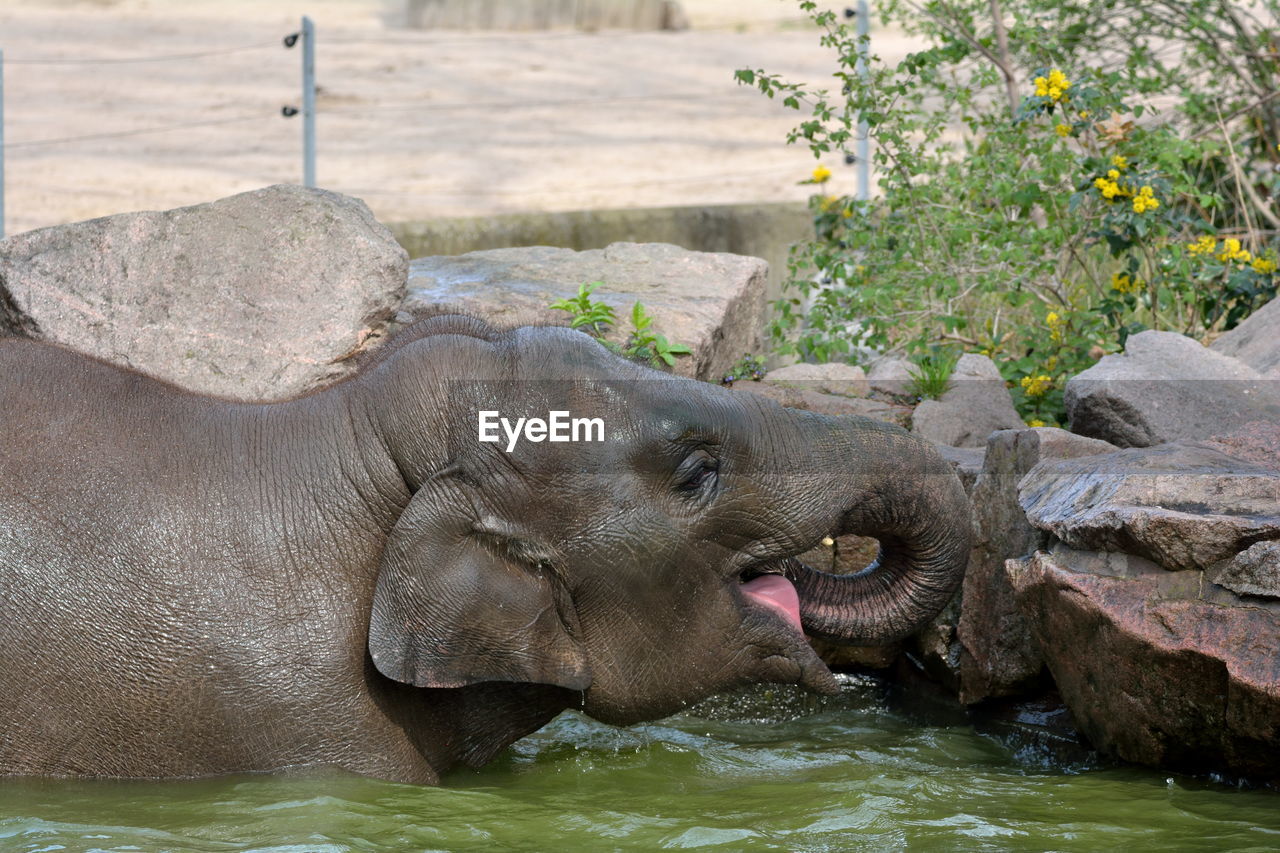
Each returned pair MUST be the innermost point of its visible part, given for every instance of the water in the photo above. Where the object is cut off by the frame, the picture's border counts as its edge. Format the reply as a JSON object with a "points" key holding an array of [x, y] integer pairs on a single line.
{"points": [[854, 773]]}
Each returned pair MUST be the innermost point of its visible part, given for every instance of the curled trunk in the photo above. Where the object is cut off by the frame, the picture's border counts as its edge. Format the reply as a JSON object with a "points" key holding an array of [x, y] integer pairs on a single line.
{"points": [[890, 485]]}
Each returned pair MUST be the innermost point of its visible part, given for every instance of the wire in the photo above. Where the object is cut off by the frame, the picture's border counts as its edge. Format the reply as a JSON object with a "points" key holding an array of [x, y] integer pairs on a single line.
{"points": [[122, 133], [126, 59], [507, 105]]}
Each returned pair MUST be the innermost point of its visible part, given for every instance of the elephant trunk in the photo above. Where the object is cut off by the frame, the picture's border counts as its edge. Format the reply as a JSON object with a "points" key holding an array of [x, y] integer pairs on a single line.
{"points": [[890, 485]]}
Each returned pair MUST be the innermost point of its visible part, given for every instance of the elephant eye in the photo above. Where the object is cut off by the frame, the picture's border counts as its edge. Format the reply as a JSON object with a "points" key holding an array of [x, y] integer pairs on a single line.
{"points": [[697, 471]]}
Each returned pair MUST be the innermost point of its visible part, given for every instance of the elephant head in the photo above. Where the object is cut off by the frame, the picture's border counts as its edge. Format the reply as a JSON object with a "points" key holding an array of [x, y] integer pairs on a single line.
{"points": [[645, 570]]}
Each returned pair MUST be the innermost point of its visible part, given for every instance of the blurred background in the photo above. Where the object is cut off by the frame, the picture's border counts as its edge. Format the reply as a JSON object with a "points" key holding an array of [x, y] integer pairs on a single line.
{"points": [[426, 108]]}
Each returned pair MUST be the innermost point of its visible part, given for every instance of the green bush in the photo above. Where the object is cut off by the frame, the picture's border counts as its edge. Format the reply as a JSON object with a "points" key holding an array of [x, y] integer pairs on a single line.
{"points": [[1032, 205]]}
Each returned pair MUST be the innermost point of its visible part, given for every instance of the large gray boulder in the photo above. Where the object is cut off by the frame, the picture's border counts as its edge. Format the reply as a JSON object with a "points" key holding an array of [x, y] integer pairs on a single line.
{"points": [[1256, 341], [262, 295], [976, 404], [714, 303], [999, 656], [1166, 387], [1151, 597], [1157, 667], [1183, 505]]}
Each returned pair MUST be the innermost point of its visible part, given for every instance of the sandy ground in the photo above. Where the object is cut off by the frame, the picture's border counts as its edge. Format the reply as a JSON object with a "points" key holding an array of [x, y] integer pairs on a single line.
{"points": [[419, 124]]}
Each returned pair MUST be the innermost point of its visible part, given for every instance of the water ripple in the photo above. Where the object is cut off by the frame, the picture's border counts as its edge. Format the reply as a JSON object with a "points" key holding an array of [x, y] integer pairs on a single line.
{"points": [[817, 775]]}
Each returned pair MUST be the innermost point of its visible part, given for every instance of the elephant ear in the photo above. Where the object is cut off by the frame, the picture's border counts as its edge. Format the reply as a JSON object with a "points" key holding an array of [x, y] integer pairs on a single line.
{"points": [[458, 602]]}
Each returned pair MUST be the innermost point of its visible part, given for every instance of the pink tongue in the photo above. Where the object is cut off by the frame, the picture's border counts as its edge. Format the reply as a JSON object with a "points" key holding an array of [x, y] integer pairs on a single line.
{"points": [[777, 592]]}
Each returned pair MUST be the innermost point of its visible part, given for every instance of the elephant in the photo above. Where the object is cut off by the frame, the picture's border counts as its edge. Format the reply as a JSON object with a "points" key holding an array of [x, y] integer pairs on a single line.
{"points": [[194, 586]]}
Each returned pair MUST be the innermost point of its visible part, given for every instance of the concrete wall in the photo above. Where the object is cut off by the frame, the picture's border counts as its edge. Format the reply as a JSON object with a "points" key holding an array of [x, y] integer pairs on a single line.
{"points": [[761, 230], [544, 14]]}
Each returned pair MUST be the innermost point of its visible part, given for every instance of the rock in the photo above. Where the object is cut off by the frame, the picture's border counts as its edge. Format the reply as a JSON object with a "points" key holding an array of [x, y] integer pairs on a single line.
{"points": [[999, 657], [1183, 505], [941, 424], [938, 648], [833, 378], [1256, 341], [967, 462], [1152, 671], [1254, 571], [976, 404], [827, 404], [1166, 387], [890, 376], [1257, 442], [262, 295], [714, 303]]}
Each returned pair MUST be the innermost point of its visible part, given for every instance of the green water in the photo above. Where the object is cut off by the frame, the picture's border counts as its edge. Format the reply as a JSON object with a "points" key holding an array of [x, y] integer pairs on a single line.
{"points": [[854, 773]]}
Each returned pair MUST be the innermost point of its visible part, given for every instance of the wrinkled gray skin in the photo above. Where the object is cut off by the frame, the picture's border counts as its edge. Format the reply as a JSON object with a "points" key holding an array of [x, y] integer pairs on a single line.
{"points": [[190, 586]]}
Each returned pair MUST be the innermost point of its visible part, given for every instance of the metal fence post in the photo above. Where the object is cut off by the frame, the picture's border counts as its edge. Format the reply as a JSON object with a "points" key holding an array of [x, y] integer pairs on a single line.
{"points": [[864, 135], [1, 144], [308, 102]]}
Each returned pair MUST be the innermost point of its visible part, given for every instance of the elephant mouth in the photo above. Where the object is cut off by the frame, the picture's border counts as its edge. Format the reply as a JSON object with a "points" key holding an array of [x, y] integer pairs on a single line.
{"points": [[774, 592], [766, 590]]}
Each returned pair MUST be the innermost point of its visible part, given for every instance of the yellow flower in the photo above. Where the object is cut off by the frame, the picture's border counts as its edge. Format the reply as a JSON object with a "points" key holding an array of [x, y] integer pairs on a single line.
{"points": [[1110, 189], [1055, 324], [1264, 265], [1231, 251], [1145, 200], [847, 213], [1124, 284], [821, 175], [1036, 386], [827, 202], [1142, 203], [1052, 363], [1054, 87], [1062, 130], [1203, 246], [1119, 162], [1113, 174], [1035, 422]]}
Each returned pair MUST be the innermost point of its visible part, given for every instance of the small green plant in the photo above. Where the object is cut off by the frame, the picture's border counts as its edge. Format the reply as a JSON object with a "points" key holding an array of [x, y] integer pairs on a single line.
{"points": [[748, 367], [595, 316], [642, 344], [931, 375]]}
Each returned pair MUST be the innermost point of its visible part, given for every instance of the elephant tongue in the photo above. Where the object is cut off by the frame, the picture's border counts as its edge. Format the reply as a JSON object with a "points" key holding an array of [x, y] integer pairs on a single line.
{"points": [[777, 592]]}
